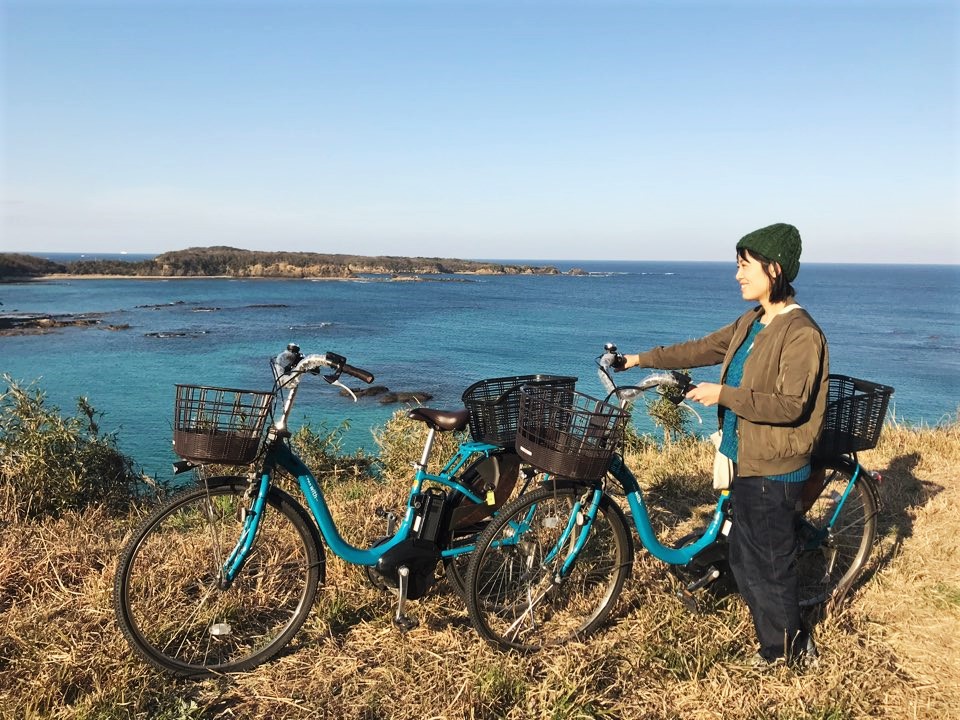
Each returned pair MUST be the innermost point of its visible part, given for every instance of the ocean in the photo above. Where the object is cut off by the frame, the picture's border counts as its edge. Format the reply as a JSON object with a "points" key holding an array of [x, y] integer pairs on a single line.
{"points": [[897, 325]]}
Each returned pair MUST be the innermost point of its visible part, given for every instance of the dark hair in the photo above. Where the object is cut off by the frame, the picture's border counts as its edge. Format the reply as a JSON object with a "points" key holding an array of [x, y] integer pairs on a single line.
{"points": [[780, 287]]}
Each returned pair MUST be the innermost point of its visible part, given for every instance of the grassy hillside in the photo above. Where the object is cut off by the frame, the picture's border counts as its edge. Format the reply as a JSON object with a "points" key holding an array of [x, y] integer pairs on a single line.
{"points": [[891, 651]]}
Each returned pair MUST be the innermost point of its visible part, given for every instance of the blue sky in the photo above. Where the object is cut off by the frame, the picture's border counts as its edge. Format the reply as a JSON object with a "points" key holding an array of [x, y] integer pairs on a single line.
{"points": [[554, 130]]}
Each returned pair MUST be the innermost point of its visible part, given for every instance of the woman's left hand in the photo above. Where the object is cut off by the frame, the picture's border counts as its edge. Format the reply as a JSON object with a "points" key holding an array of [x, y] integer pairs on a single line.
{"points": [[705, 393]]}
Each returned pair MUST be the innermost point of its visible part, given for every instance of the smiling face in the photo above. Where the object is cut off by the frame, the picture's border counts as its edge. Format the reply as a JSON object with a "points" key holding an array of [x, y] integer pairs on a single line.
{"points": [[755, 282]]}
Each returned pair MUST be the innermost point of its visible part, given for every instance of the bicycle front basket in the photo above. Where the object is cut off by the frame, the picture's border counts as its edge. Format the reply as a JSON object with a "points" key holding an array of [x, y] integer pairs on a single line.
{"points": [[571, 437], [219, 425], [855, 412], [494, 404]]}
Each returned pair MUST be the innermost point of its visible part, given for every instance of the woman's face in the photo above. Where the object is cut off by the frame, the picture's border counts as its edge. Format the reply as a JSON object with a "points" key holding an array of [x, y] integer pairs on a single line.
{"points": [[754, 281]]}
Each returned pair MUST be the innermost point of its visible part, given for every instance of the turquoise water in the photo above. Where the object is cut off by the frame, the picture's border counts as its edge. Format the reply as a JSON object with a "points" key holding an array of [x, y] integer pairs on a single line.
{"points": [[898, 325]]}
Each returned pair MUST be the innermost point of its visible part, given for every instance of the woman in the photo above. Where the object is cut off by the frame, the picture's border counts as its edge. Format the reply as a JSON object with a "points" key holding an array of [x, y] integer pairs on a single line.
{"points": [[772, 397]]}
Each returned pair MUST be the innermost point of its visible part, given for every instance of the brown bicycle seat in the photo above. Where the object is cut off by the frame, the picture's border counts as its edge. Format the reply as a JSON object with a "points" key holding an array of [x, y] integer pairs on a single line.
{"points": [[442, 420]]}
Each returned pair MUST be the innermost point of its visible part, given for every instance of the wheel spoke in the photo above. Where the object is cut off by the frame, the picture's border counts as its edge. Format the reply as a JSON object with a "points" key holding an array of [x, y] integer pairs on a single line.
{"points": [[516, 597], [833, 555]]}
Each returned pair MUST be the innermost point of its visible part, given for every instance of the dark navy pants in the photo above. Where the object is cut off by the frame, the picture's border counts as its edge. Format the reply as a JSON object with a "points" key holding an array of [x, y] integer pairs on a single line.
{"points": [[763, 548]]}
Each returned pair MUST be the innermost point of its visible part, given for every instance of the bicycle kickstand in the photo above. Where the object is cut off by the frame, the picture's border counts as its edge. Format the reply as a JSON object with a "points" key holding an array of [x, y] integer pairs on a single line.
{"points": [[404, 622]]}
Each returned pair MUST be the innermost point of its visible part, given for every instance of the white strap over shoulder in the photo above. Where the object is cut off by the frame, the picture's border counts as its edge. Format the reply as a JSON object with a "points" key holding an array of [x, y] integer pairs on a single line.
{"points": [[788, 308]]}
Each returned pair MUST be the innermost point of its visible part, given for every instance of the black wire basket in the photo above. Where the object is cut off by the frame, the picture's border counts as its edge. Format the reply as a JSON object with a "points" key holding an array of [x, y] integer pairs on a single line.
{"points": [[572, 437], [494, 404], [854, 418], [219, 425]]}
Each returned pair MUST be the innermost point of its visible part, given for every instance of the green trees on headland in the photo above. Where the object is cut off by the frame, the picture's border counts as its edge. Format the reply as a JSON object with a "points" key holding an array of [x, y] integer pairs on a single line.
{"points": [[233, 262], [14, 265]]}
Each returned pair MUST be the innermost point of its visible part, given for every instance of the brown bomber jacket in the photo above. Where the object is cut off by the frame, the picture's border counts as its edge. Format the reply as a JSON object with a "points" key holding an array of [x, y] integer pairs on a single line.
{"points": [[782, 398]]}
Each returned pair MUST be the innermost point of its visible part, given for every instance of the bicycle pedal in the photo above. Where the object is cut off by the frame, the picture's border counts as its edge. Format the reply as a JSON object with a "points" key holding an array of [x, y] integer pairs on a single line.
{"points": [[405, 623], [689, 601], [708, 577], [389, 516]]}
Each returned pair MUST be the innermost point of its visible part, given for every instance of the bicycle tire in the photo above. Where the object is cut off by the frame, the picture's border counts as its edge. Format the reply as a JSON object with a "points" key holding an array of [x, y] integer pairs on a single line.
{"points": [[166, 594], [830, 560], [514, 602]]}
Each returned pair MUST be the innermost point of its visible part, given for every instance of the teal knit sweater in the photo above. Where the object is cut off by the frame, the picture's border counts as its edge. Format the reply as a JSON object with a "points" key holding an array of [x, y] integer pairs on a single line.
{"points": [[729, 443]]}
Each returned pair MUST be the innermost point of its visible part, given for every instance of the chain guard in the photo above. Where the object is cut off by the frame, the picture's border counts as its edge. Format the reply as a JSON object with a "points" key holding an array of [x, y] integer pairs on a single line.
{"points": [[375, 577]]}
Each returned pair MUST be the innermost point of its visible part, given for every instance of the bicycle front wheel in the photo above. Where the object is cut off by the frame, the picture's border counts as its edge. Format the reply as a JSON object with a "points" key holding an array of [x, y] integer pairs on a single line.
{"points": [[518, 596], [168, 597], [836, 536]]}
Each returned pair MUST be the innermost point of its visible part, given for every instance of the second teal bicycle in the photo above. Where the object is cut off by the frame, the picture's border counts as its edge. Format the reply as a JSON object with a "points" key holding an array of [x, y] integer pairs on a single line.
{"points": [[550, 566]]}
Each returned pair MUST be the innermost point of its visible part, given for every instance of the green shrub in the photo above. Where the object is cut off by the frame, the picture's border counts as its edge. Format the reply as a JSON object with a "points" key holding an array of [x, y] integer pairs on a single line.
{"points": [[400, 441], [322, 451], [667, 414], [50, 464]]}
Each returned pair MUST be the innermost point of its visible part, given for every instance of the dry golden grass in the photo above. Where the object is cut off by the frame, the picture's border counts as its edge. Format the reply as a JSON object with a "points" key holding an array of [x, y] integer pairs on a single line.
{"points": [[891, 651]]}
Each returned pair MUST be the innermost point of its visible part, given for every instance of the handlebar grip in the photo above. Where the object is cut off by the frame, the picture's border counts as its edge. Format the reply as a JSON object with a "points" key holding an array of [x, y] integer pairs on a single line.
{"points": [[358, 373]]}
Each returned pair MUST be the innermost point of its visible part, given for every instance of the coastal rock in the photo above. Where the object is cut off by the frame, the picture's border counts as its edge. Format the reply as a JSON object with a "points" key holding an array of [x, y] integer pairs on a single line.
{"points": [[402, 397], [387, 396], [26, 324], [367, 391], [160, 305]]}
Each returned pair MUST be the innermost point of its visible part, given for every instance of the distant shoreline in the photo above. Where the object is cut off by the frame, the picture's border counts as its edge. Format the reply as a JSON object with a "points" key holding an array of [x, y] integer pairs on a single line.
{"points": [[227, 262], [374, 277]]}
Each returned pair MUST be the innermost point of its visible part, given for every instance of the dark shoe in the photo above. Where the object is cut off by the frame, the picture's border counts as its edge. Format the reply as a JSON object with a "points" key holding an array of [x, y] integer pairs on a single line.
{"points": [[807, 657]]}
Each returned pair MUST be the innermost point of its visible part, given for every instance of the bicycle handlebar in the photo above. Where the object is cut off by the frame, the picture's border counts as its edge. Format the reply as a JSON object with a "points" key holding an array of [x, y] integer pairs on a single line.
{"points": [[292, 361], [339, 363], [677, 383]]}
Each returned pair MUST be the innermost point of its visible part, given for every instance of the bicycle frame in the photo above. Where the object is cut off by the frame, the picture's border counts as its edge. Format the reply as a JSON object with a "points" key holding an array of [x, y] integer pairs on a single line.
{"points": [[280, 455], [641, 520], [719, 523]]}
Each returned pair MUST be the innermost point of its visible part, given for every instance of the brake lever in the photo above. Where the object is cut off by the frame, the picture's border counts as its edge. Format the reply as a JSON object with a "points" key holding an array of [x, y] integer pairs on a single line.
{"points": [[337, 383], [684, 405], [608, 384], [685, 385]]}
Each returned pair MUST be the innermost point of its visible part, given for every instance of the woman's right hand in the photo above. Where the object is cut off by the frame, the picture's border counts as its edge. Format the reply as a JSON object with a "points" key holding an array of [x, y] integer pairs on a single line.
{"points": [[629, 361]]}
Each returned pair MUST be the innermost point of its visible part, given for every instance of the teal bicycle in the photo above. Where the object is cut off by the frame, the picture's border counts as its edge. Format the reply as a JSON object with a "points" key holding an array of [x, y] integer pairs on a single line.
{"points": [[550, 566], [221, 576]]}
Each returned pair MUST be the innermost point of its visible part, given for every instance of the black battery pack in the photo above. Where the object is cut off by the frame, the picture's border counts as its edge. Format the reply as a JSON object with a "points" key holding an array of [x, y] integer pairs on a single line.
{"points": [[428, 508]]}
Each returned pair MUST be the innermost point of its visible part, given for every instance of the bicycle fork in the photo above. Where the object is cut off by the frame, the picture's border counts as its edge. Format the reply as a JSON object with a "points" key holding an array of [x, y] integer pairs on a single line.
{"points": [[248, 515]]}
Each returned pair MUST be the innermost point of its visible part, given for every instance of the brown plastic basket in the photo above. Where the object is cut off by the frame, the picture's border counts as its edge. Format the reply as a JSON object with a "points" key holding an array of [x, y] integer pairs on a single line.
{"points": [[572, 437], [494, 404], [855, 413], [219, 425]]}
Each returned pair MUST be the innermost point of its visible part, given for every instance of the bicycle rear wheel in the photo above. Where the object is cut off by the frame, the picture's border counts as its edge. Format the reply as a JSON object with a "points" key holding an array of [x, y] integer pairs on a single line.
{"points": [[832, 554], [167, 595], [516, 598]]}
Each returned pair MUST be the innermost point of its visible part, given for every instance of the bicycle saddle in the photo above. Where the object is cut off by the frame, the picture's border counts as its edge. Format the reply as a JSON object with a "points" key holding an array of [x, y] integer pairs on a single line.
{"points": [[442, 420]]}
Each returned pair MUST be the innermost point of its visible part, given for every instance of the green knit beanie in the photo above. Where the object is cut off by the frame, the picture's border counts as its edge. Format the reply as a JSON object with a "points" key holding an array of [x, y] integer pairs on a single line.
{"points": [[779, 242]]}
